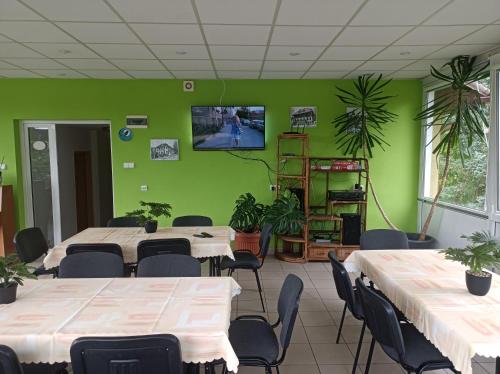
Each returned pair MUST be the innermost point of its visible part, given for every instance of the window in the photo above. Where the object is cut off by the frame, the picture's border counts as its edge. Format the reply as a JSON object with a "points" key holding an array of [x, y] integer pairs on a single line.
{"points": [[466, 182]]}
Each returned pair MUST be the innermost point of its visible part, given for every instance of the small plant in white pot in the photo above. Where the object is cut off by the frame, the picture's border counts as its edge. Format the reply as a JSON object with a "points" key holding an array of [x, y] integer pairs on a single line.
{"points": [[12, 273], [483, 252]]}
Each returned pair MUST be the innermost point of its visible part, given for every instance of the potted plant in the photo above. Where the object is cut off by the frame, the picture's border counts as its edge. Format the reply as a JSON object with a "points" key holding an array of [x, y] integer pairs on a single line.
{"points": [[246, 220], [458, 116], [148, 212], [484, 252], [285, 215], [12, 272]]}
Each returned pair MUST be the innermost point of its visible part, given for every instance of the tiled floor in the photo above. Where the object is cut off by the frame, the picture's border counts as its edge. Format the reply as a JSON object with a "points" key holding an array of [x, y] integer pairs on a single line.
{"points": [[313, 349]]}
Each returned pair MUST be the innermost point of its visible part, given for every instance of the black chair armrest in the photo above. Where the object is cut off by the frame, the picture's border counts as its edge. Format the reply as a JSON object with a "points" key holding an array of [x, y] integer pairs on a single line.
{"points": [[243, 250], [42, 271], [261, 318]]}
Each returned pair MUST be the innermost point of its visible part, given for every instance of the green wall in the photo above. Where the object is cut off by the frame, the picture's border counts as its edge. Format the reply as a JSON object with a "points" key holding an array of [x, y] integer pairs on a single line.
{"points": [[209, 182]]}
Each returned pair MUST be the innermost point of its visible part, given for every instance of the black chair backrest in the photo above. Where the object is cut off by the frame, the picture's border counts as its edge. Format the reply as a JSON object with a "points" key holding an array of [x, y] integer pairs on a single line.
{"points": [[382, 321], [94, 247], [154, 354], [343, 283], [185, 221], [264, 240], [169, 266], [91, 265], [154, 247], [124, 221], [288, 307], [30, 244], [383, 239], [9, 363]]}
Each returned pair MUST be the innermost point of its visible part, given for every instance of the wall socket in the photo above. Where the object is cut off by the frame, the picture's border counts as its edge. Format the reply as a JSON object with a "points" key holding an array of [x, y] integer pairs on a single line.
{"points": [[144, 188], [3, 166], [128, 165]]}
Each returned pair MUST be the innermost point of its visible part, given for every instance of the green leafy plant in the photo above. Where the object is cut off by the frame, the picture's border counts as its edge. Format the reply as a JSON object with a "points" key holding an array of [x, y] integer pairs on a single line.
{"points": [[247, 214], [149, 211], [483, 252], [13, 271], [459, 115], [285, 215]]}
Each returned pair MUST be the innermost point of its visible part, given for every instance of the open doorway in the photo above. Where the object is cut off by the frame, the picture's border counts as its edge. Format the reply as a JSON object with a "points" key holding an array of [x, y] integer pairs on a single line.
{"points": [[68, 176]]}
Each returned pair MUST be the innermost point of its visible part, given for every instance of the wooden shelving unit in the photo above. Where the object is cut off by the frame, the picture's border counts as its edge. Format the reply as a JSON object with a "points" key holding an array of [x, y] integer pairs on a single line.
{"points": [[7, 220]]}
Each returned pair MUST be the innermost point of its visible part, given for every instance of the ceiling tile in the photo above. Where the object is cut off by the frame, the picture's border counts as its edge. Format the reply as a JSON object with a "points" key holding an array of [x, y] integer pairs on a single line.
{"points": [[293, 53], [17, 73], [100, 32], [231, 74], [404, 52], [138, 64], [304, 35], [370, 35], [287, 65], [15, 11], [16, 50], [487, 35], [33, 32], [74, 10], [175, 52], [350, 53], [436, 35], [410, 74], [255, 12], [169, 34], [60, 73], [282, 74], [5, 65], [87, 63], [35, 63], [171, 11], [325, 74], [237, 52], [188, 64], [63, 50], [194, 74], [325, 65], [396, 12], [425, 65], [134, 51], [317, 12], [455, 50], [376, 73], [384, 65], [106, 74], [237, 35], [4, 39], [252, 65], [152, 74], [463, 12]]}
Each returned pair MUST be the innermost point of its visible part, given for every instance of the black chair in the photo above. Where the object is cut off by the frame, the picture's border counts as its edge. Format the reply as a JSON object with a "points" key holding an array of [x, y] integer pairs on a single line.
{"points": [[9, 363], [91, 265], [31, 245], [186, 221], [172, 265], [154, 354], [383, 239], [247, 260], [403, 343], [154, 247], [94, 247], [124, 222], [253, 338]]}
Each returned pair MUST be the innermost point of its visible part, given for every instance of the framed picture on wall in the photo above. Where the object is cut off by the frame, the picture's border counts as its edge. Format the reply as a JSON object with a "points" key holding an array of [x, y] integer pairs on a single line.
{"points": [[164, 149], [303, 116]]}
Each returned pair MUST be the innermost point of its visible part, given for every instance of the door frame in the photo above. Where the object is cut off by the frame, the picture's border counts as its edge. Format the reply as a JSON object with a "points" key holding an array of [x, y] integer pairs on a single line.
{"points": [[54, 170]]}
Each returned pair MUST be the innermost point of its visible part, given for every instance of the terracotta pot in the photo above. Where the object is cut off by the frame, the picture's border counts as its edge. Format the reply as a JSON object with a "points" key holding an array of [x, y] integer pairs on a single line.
{"points": [[249, 241]]}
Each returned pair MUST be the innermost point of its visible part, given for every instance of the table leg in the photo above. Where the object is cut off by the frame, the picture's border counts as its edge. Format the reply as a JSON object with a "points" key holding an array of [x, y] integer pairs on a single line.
{"points": [[211, 266], [217, 266], [497, 366]]}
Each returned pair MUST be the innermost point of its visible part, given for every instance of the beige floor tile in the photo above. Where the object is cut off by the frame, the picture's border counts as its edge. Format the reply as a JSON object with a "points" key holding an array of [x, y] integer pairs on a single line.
{"points": [[348, 320], [272, 283], [250, 305], [299, 354], [385, 369], [482, 359], [488, 366], [324, 283], [334, 305], [350, 334], [249, 284], [316, 318], [337, 369], [480, 369], [249, 295], [312, 305], [265, 275], [314, 266], [322, 334], [332, 354], [329, 293], [299, 369], [321, 275], [379, 356]]}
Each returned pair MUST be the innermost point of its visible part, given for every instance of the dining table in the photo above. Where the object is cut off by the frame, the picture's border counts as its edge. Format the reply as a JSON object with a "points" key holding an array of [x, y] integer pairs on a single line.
{"points": [[128, 238], [49, 314], [431, 292]]}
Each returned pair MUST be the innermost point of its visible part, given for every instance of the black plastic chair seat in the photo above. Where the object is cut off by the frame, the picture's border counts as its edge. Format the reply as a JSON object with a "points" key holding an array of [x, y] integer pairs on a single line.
{"points": [[242, 260], [418, 350], [253, 338]]}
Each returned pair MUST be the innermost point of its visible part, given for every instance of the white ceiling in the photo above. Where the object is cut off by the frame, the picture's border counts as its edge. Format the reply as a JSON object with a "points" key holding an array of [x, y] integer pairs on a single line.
{"points": [[247, 39]]}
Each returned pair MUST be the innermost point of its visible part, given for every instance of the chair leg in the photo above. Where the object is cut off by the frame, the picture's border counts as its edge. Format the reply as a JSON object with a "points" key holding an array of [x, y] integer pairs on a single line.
{"points": [[256, 272], [277, 369], [360, 343], [268, 370], [341, 323], [370, 354]]}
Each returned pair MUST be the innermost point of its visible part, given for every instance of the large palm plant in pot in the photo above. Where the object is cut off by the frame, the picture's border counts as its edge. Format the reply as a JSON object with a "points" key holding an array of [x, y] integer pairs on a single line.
{"points": [[458, 118], [246, 221], [285, 215]]}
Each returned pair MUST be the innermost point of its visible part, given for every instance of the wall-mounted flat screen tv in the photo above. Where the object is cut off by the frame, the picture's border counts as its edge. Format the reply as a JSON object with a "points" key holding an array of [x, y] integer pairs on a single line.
{"points": [[228, 127]]}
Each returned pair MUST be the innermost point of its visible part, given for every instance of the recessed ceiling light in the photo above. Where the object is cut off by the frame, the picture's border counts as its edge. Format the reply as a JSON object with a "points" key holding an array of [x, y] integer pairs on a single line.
{"points": [[405, 53], [181, 53], [65, 51], [294, 54]]}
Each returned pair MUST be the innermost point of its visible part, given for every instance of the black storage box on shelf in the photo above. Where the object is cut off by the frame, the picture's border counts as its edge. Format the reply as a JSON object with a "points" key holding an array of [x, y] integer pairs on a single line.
{"points": [[351, 228], [346, 195]]}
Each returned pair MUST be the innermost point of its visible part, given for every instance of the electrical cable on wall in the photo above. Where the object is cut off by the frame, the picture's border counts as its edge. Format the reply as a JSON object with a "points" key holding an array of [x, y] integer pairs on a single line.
{"points": [[247, 158]]}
